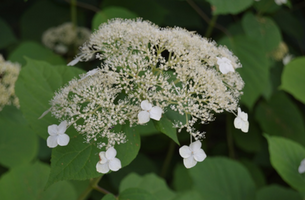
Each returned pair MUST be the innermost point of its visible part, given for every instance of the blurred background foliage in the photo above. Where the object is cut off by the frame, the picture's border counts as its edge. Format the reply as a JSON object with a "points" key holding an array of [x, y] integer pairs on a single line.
{"points": [[261, 164]]}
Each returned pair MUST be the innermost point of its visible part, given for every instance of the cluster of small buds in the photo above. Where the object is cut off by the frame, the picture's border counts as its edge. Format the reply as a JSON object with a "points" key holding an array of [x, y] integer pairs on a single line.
{"points": [[145, 71], [8, 76], [65, 37]]}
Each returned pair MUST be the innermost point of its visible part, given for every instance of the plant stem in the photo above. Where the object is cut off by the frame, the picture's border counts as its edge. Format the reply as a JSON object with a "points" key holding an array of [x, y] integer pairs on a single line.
{"points": [[211, 26], [73, 13], [92, 185], [230, 142], [168, 158]]}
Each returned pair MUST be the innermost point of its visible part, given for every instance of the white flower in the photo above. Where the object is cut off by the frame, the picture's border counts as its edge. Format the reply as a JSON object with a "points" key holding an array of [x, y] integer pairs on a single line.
{"points": [[241, 121], [225, 65], [90, 73], [192, 154], [108, 161], [57, 135], [149, 112], [280, 2], [287, 59], [302, 166], [75, 61]]}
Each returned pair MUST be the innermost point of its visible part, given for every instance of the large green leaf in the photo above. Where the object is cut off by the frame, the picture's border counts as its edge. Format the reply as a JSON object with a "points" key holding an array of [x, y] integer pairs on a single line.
{"points": [[35, 51], [263, 29], [35, 87], [109, 13], [266, 6], [286, 156], [109, 197], [280, 116], [229, 7], [151, 183], [27, 182], [255, 172], [255, 71], [18, 143], [182, 180], [277, 192], [136, 194], [293, 78], [189, 195], [220, 178], [77, 161], [165, 125], [7, 36]]}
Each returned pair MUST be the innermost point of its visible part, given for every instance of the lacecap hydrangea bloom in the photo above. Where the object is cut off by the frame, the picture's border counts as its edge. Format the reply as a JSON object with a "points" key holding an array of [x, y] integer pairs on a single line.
{"points": [[146, 71], [8, 76]]}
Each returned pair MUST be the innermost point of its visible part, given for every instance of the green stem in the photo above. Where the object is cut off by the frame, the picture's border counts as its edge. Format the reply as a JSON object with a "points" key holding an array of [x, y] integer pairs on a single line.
{"points": [[168, 158], [73, 14], [211, 26], [92, 185], [230, 142]]}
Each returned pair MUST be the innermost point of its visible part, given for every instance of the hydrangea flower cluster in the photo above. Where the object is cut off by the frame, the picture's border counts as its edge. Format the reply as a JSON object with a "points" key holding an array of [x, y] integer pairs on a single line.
{"points": [[65, 37], [8, 75], [146, 71]]}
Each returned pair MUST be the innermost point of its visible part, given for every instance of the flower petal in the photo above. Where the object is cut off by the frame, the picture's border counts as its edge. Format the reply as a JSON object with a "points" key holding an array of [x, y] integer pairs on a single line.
{"points": [[52, 141], [225, 65], [238, 122], [102, 168], [143, 117], [245, 127], [185, 151], [145, 105], [74, 62], [62, 127], [110, 153], [63, 139], [156, 113], [195, 145], [115, 164], [199, 155], [301, 168], [103, 158], [52, 129], [189, 162]]}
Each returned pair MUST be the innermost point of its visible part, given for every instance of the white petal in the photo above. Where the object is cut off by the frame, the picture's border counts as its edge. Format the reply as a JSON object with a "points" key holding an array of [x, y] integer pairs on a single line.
{"points": [[199, 155], [145, 105], [115, 164], [238, 122], [225, 65], [63, 139], [45, 112], [74, 62], [92, 72], [102, 168], [62, 127], [185, 151], [52, 129], [156, 113], [52, 141], [245, 127], [301, 168], [103, 158], [189, 162], [195, 145], [110, 153], [143, 117]]}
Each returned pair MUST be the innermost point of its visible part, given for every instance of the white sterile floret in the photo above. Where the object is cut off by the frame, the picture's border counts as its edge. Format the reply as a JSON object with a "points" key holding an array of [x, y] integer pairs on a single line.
{"points": [[57, 135], [192, 154], [301, 168], [74, 62], [149, 112], [108, 161], [241, 121], [225, 65], [280, 2], [90, 73]]}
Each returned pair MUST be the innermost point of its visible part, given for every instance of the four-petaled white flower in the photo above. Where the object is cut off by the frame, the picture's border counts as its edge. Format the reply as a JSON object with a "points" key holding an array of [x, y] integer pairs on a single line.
{"points": [[149, 112], [225, 65], [192, 154], [90, 73], [57, 135], [241, 121], [108, 161], [302, 167]]}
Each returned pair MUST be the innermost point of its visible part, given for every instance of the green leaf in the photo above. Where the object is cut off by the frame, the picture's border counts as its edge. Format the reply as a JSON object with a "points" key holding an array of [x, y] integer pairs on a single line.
{"points": [[189, 195], [266, 6], [109, 197], [7, 36], [293, 78], [35, 87], [277, 192], [18, 143], [35, 51], [280, 116], [136, 194], [255, 71], [263, 29], [77, 161], [110, 13], [150, 183], [286, 156], [165, 125], [220, 178], [229, 7], [255, 172], [27, 182], [182, 180], [147, 129]]}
